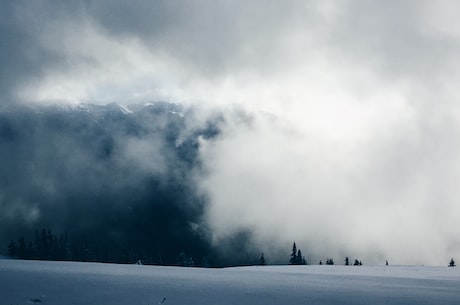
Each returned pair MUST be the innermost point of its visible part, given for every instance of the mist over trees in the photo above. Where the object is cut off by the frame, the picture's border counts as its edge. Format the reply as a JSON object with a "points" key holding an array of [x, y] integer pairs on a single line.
{"points": [[47, 245], [120, 179], [115, 184]]}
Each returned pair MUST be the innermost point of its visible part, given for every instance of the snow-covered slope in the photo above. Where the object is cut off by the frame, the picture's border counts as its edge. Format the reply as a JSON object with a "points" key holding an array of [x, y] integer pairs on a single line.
{"points": [[29, 282]]}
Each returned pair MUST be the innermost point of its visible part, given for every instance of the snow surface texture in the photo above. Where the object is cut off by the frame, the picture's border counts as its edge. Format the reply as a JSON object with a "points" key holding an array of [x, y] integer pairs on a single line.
{"points": [[36, 282]]}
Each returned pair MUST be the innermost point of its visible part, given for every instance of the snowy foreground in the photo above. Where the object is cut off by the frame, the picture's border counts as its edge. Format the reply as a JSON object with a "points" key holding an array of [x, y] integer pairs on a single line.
{"points": [[60, 283]]}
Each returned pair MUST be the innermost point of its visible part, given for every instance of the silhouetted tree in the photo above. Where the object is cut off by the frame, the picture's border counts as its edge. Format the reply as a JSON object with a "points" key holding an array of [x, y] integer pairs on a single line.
{"points": [[347, 261], [293, 260], [12, 249], [300, 258], [22, 252], [184, 260], [452, 263], [356, 263], [204, 262], [329, 261], [38, 249], [30, 251], [320, 262], [68, 255], [44, 245], [262, 260], [386, 263]]}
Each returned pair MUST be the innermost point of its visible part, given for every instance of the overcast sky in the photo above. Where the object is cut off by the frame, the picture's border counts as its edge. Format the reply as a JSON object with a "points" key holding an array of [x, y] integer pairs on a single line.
{"points": [[354, 145]]}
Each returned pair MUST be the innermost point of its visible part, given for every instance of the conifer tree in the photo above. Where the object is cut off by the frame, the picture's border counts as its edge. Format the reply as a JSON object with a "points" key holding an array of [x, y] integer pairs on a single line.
{"points": [[293, 260], [299, 257], [262, 260], [22, 248], [12, 249], [37, 246], [30, 251], [44, 245]]}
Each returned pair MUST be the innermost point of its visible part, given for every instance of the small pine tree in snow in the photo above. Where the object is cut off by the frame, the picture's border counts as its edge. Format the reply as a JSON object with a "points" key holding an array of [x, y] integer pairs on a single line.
{"points": [[299, 257], [262, 261], [184, 260], [293, 260], [204, 262], [347, 261], [12, 249], [22, 249], [452, 263]]}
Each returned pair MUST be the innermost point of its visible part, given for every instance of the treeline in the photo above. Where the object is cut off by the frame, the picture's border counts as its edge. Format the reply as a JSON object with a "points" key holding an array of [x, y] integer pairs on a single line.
{"points": [[61, 247], [47, 245], [297, 258]]}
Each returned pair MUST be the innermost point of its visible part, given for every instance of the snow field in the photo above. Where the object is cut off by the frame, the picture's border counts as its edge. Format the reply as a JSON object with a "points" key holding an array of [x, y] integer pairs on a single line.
{"points": [[60, 283]]}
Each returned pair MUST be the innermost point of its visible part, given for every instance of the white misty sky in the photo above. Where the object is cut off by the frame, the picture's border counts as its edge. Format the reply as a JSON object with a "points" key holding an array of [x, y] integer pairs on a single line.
{"points": [[353, 148]]}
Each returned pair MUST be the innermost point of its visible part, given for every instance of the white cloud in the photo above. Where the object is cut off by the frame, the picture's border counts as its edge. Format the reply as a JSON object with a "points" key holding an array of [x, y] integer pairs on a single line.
{"points": [[99, 68]]}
